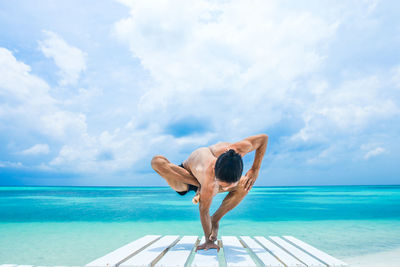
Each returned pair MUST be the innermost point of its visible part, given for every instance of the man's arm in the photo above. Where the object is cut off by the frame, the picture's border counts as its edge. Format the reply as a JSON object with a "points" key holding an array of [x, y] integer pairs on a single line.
{"points": [[252, 143], [258, 143], [206, 193], [204, 208]]}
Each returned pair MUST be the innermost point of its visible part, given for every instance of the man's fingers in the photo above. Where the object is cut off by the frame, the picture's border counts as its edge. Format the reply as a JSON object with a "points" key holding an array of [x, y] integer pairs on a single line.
{"points": [[251, 185], [247, 185], [216, 246]]}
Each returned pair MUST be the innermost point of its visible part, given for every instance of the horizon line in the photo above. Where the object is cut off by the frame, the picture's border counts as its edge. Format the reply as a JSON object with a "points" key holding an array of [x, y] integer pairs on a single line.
{"points": [[170, 187]]}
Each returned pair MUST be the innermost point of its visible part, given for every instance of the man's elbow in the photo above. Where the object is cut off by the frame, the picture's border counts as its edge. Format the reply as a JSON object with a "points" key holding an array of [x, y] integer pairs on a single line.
{"points": [[264, 139]]}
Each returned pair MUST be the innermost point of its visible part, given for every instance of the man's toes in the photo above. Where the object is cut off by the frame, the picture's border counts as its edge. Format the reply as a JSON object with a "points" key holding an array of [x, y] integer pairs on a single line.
{"points": [[196, 199]]}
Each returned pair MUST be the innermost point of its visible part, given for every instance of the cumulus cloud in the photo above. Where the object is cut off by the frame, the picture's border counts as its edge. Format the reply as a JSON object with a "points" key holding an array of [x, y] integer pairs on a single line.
{"points": [[203, 72], [36, 149], [247, 67], [8, 164], [69, 59], [29, 103], [207, 58], [372, 150], [351, 107]]}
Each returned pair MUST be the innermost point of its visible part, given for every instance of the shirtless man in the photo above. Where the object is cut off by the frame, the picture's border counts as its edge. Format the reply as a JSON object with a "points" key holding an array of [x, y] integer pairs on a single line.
{"points": [[215, 169]]}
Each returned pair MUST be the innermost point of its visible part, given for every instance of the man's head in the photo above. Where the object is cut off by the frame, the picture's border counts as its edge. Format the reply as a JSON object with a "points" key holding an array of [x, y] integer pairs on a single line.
{"points": [[228, 168]]}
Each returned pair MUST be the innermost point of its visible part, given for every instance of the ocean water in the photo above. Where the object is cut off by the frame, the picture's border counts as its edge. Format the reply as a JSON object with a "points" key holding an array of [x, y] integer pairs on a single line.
{"points": [[74, 225]]}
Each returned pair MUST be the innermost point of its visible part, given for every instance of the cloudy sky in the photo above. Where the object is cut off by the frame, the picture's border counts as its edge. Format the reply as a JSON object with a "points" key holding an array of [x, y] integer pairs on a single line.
{"points": [[91, 90]]}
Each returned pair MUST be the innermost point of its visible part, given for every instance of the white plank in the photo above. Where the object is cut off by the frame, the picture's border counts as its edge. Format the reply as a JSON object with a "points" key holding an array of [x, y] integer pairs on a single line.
{"points": [[282, 255], [235, 254], [205, 258], [298, 253], [178, 254], [328, 259], [122, 253], [8, 265], [265, 256], [149, 254]]}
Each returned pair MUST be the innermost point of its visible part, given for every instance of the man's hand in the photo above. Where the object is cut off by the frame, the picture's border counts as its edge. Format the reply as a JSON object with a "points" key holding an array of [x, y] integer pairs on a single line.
{"points": [[207, 245], [248, 180]]}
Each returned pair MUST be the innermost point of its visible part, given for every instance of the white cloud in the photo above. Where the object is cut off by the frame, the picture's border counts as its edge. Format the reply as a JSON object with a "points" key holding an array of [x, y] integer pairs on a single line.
{"points": [[245, 66], [71, 60], [29, 106], [240, 68], [374, 152], [18, 85], [349, 108], [8, 164], [29, 103], [36, 149], [207, 58]]}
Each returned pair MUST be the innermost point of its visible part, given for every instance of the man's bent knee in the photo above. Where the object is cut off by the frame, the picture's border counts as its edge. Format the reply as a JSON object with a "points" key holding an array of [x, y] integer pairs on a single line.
{"points": [[158, 161]]}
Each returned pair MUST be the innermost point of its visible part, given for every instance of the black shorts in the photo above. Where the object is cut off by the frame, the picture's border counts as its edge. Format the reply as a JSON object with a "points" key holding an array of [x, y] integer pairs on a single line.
{"points": [[191, 187]]}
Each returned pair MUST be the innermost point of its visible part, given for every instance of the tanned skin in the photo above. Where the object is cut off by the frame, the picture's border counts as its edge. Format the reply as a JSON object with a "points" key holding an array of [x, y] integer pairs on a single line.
{"points": [[199, 171]]}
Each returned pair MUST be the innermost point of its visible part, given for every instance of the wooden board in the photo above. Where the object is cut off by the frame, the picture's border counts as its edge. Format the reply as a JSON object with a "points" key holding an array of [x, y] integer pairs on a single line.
{"points": [[178, 255], [151, 253], [205, 258], [170, 251], [265, 256], [235, 254], [298, 253], [281, 254], [328, 259], [115, 257]]}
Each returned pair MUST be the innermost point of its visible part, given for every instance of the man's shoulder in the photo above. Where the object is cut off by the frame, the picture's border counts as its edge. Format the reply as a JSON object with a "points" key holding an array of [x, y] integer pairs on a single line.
{"points": [[219, 148]]}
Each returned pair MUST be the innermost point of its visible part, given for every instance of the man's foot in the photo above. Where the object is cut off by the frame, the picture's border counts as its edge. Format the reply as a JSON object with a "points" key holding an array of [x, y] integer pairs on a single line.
{"points": [[206, 246], [214, 231]]}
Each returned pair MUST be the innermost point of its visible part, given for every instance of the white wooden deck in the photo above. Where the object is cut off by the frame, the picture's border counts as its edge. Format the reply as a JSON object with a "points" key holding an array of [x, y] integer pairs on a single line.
{"points": [[243, 251]]}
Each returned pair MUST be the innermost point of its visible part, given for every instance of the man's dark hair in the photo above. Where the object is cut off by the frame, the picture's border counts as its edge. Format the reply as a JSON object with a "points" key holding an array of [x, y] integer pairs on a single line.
{"points": [[229, 166]]}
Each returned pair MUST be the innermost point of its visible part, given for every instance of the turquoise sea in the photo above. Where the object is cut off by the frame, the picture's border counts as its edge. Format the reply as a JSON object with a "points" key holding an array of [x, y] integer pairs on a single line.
{"points": [[74, 225]]}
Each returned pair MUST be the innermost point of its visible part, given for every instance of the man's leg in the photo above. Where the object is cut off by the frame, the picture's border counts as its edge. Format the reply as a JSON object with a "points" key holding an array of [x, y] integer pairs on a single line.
{"points": [[178, 178], [230, 201]]}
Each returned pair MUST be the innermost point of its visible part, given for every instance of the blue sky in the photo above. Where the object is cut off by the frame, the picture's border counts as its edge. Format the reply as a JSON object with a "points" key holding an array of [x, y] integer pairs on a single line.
{"points": [[90, 91]]}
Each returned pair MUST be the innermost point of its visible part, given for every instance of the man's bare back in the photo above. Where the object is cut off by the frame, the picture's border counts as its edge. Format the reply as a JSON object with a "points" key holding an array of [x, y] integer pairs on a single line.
{"points": [[199, 171], [202, 159]]}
